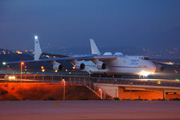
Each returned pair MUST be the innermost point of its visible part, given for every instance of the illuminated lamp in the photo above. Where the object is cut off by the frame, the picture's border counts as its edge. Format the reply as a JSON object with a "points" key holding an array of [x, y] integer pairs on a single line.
{"points": [[4, 63], [143, 73], [36, 37]]}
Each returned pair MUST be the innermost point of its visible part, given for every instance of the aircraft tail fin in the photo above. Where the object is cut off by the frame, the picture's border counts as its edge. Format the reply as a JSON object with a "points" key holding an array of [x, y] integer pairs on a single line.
{"points": [[37, 48], [94, 49]]}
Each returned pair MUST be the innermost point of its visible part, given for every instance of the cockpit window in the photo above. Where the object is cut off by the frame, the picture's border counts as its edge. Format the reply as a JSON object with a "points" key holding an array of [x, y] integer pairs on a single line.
{"points": [[145, 58]]}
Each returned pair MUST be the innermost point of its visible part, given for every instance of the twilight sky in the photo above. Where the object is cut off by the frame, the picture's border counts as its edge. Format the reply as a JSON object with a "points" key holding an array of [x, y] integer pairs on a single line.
{"points": [[71, 23]]}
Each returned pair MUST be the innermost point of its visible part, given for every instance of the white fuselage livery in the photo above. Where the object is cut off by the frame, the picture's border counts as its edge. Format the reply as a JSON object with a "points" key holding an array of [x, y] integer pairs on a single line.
{"points": [[122, 65]]}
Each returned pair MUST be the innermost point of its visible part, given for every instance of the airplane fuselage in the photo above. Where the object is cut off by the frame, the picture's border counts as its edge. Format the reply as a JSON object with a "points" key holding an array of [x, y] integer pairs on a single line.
{"points": [[122, 65]]}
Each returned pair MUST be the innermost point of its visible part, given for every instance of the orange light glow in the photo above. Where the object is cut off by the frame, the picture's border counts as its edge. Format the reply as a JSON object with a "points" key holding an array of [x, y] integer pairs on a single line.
{"points": [[63, 80], [100, 89], [100, 92], [73, 67], [42, 67], [18, 52], [22, 63], [175, 71]]}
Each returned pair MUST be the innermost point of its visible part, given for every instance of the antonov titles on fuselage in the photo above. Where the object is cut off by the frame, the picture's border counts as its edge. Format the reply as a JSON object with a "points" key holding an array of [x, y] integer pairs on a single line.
{"points": [[106, 64]]}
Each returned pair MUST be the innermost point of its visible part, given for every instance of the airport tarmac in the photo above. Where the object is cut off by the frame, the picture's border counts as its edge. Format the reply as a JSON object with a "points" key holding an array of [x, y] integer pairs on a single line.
{"points": [[90, 109]]}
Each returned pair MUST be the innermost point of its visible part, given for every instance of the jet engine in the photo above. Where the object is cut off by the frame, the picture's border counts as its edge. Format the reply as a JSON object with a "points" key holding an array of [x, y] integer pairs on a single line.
{"points": [[80, 66], [58, 67], [101, 65]]}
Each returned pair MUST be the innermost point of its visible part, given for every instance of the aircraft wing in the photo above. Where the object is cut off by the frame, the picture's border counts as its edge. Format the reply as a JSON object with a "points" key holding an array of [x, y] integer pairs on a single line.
{"points": [[104, 58], [164, 63], [85, 58], [58, 55]]}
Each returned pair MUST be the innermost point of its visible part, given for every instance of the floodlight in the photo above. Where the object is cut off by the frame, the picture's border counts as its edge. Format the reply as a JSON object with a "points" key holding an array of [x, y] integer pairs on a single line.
{"points": [[36, 37], [4, 63]]}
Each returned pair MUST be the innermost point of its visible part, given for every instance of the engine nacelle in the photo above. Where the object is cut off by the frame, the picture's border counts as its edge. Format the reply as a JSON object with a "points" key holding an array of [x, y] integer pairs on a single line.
{"points": [[80, 66], [101, 65], [58, 67]]}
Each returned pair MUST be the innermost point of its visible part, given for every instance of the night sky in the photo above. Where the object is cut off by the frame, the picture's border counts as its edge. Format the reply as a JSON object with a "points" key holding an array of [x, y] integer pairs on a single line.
{"points": [[71, 23]]}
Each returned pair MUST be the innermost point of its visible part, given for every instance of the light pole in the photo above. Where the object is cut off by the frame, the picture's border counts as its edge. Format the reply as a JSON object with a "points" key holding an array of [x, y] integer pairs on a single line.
{"points": [[22, 63], [100, 91], [130, 89], [64, 92]]}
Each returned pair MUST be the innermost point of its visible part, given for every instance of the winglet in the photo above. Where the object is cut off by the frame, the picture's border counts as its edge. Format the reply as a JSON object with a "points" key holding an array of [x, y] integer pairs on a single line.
{"points": [[94, 48], [37, 48]]}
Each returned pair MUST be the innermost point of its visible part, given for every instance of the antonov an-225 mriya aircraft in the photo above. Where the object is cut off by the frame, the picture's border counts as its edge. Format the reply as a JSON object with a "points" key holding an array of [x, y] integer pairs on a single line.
{"points": [[106, 64]]}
